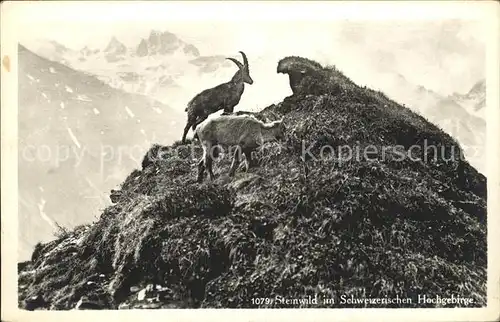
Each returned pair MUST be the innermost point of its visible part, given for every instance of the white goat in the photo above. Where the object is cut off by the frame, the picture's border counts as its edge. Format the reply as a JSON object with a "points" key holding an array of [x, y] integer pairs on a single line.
{"points": [[243, 133]]}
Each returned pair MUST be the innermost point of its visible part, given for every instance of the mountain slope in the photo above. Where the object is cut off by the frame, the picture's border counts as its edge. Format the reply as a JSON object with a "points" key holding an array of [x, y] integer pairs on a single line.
{"points": [[78, 138], [376, 225]]}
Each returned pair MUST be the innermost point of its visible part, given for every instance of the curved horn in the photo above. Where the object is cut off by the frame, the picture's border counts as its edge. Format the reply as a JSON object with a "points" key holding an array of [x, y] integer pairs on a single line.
{"points": [[245, 60], [240, 66]]}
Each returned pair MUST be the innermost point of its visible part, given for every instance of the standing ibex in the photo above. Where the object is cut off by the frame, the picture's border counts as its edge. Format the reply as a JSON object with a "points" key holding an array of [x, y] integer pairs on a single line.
{"points": [[224, 96], [242, 133]]}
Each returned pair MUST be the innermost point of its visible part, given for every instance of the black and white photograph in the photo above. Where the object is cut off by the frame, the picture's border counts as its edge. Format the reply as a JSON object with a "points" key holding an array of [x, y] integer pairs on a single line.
{"points": [[169, 156]]}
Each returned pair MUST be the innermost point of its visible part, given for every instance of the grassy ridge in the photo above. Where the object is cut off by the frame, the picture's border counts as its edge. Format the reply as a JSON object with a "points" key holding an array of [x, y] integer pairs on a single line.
{"points": [[295, 226]]}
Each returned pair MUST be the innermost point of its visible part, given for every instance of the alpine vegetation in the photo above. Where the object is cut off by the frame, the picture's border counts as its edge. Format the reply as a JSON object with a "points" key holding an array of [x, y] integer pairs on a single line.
{"points": [[243, 133], [295, 227], [224, 96]]}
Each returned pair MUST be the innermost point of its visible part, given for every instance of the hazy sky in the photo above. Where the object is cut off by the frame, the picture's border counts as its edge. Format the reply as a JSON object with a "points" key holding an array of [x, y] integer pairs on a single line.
{"points": [[444, 55]]}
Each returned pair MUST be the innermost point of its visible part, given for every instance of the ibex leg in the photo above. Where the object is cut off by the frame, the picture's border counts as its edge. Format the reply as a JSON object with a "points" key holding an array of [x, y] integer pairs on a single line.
{"points": [[198, 121], [186, 130], [249, 162], [201, 169], [236, 161], [208, 165]]}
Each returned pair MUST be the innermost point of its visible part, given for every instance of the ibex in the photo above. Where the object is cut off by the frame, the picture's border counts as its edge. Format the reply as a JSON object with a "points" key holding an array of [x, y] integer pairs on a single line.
{"points": [[224, 96], [242, 133]]}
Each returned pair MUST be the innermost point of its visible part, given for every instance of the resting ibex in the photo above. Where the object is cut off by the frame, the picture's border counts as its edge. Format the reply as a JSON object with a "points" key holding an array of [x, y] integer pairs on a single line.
{"points": [[224, 96], [242, 133]]}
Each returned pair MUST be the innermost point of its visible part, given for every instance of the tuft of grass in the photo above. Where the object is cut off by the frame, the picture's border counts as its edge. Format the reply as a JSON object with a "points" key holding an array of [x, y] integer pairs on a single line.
{"points": [[61, 231]]}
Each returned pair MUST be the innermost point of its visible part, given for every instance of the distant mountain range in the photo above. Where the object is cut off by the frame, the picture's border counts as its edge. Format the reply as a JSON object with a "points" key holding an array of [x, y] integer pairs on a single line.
{"points": [[161, 66], [460, 115]]}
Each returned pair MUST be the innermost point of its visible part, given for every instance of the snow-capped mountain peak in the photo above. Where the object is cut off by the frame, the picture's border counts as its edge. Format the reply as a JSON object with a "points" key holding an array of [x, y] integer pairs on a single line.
{"points": [[474, 100], [163, 43], [142, 49], [115, 47], [479, 89]]}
